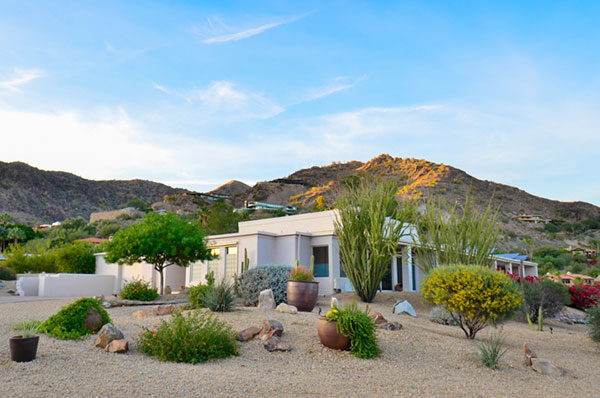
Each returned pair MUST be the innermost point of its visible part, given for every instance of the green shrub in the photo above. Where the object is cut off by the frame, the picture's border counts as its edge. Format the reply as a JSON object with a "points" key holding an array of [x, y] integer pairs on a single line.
{"points": [[219, 298], [475, 296], [196, 295], [138, 290], [255, 280], [492, 351], [69, 322], [440, 315], [550, 295], [108, 231], [593, 318], [38, 261], [76, 258], [7, 274], [358, 327], [194, 338]]}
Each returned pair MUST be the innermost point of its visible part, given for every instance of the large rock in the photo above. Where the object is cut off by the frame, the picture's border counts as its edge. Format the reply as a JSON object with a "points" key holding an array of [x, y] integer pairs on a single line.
{"points": [[391, 326], [547, 368], [276, 344], [248, 333], [271, 327], [118, 346], [141, 314], [528, 354], [93, 320], [289, 309], [107, 334], [266, 301], [163, 309], [377, 318], [403, 306]]}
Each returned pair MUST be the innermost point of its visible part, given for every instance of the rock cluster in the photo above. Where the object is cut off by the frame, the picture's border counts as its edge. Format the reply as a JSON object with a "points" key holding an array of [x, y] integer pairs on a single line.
{"points": [[270, 334], [111, 338], [542, 365]]}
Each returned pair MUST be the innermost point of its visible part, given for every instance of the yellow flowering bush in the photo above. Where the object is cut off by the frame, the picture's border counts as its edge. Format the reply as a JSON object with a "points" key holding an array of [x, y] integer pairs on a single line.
{"points": [[475, 296]]}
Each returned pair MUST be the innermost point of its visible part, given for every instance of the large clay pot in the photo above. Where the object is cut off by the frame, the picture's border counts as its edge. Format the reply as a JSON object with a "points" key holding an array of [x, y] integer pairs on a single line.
{"points": [[329, 335], [23, 349], [302, 294]]}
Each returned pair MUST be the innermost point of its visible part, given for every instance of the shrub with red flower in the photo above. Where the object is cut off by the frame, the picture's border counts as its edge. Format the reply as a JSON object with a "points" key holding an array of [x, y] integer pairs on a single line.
{"points": [[585, 295], [528, 278]]}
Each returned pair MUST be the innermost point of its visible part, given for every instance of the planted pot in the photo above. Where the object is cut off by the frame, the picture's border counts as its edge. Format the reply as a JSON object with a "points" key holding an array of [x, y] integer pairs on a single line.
{"points": [[302, 294], [329, 335], [23, 349]]}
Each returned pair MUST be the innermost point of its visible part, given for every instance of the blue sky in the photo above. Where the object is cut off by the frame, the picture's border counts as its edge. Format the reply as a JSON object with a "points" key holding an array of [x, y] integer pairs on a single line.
{"points": [[196, 93]]}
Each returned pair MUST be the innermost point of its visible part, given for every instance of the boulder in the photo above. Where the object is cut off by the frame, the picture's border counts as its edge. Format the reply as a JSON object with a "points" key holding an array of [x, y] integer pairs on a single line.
{"points": [[163, 309], [142, 314], [529, 354], [248, 333], [266, 301], [391, 326], [93, 320], [289, 309], [271, 327], [377, 318], [403, 306], [276, 344], [107, 334], [547, 368], [118, 346]]}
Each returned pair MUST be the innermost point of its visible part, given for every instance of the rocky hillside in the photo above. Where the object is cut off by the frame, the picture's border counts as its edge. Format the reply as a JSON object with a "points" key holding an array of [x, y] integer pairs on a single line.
{"points": [[32, 195]]}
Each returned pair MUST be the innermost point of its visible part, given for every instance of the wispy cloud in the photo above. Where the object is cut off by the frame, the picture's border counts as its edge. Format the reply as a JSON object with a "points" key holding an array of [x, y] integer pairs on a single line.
{"points": [[337, 84], [21, 77], [217, 32]]}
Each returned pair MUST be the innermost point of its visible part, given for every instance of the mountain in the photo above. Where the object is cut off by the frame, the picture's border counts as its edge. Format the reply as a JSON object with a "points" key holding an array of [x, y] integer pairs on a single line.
{"points": [[32, 195]]}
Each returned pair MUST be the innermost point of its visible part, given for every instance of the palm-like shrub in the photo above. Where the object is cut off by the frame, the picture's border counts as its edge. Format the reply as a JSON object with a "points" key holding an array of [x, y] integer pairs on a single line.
{"points": [[475, 296], [255, 280], [492, 351], [219, 298]]}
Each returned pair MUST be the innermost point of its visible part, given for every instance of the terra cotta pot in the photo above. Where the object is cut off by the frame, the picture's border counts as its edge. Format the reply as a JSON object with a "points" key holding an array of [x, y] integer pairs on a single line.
{"points": [[23, 349], [302, 294], [329, 335]]}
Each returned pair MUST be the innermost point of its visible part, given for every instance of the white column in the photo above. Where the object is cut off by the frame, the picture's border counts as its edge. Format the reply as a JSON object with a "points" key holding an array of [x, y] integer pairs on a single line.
{"points": [[394, 271], [410, 269]]}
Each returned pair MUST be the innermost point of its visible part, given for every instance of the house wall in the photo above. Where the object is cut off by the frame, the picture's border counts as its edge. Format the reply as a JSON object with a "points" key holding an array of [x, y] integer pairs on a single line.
{"points": [[312, 222]]}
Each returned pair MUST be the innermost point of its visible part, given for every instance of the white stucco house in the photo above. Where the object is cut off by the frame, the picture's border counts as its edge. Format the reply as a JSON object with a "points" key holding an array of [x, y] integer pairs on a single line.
{"points": [[283, 240]]}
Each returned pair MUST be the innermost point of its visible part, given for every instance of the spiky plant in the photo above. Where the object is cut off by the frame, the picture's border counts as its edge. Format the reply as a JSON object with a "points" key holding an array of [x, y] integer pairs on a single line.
{"points": [[220, 298]]}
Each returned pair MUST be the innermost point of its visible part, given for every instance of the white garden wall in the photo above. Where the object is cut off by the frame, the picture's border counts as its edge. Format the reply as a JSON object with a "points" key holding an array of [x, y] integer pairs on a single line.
{"points": [[75, 285]]}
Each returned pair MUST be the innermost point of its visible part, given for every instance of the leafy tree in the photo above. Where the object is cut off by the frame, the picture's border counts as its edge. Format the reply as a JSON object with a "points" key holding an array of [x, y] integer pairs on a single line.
{"points": [[69, 231], [6, 219], [139, 204], [220, 219], [16, 234], [453, 234], [77, 258], [369, 225], [160, 240]]}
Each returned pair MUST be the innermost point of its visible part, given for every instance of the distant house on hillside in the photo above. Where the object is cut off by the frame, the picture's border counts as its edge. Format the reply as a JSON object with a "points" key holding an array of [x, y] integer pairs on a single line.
{"points": [[589, 253], [532, 218], [569, 278]]}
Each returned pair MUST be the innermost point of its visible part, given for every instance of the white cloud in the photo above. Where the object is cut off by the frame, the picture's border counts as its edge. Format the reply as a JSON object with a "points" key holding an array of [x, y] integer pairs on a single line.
{"points": [[220, 33], [21, 77], [338, 84]]}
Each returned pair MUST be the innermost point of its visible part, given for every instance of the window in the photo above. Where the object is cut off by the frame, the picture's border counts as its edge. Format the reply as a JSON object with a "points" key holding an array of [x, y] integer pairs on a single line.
{"points": [[196, 271], [321, 254], [230, 262], [213, 265]]}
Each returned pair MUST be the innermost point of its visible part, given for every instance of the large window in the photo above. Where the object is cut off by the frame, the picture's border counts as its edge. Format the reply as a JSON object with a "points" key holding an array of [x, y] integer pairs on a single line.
{"points": [[321, 254], [213, 265], [230, 262], [197, 271]]}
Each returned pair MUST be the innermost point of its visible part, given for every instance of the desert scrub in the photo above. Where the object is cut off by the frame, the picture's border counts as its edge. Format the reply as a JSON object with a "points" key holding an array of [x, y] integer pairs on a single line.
{"points": [[358, 327], [219, 298], [492, 351], [593, 318], [7, 274], [138, 290], [549, 295], [194, 338], [255, 280], [475, 296], [69, 322]]}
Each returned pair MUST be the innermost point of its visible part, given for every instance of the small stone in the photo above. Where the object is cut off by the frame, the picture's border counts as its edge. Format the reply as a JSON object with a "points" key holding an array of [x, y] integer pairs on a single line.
{"points": [[167, 290], [403, 306], [529, 354], [93, 320], [377, 318], [248, 333], [271, 327], [547, 368], [391, 326], [163, 310], [107, 334], [276, 344], [118, 346], [289, 309], [266, 301], [142, 314]]}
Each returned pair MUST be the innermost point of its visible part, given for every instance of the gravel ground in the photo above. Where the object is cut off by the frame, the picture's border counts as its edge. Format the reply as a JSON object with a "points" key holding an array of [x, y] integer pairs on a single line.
{"points": [[422, 360]]}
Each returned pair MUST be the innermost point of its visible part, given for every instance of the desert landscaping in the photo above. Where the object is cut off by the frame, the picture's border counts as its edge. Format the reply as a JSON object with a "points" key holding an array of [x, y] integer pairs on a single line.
{"points": [[421, 359]]}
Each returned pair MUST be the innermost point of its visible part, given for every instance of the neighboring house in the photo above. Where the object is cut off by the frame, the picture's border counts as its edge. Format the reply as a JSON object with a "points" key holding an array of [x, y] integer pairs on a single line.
{"points": [[532, 218], [283, 240], [515, 263], [569, 278], [589, 253], [113, 214]]}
